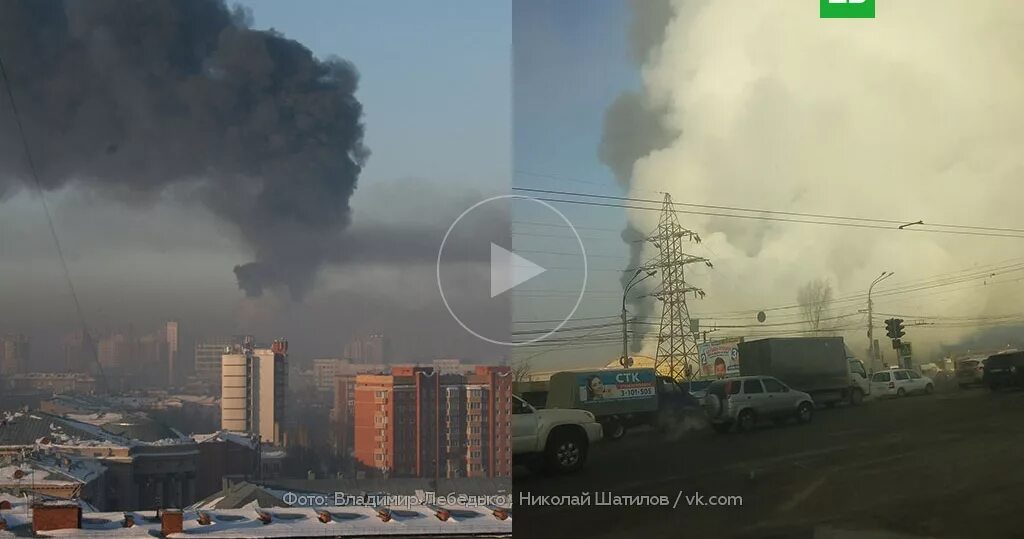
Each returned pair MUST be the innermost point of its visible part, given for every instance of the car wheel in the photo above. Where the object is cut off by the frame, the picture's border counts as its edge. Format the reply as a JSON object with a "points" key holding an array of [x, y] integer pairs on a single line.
{"points": [[722, 428], [613, 429], [856, 397], [746, 421], [566, 451], [929, 389], [804, 412], [901, 393]]}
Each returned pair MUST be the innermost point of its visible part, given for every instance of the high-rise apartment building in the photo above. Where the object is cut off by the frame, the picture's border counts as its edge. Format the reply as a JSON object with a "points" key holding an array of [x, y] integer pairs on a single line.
{"points": [[254, 383], [113, 351], [169, 334], [372, 349], [448, 366], [324, 372], [208, 355], [416, 422], [396, 423], [343, 414], [490, 453], [79, 353], [14, 354]]}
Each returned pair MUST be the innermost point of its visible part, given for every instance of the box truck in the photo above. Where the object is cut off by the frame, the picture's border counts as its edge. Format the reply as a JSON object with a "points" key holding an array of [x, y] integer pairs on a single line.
{"points": [[819, 366], [624, 398]]}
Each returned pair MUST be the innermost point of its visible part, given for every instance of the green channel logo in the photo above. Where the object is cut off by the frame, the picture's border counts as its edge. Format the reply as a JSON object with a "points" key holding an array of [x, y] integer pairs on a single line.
{"points": [[847, 9]]}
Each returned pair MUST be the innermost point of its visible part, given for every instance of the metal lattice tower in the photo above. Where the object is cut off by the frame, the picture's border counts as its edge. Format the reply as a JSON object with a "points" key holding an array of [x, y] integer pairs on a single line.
{"points": [[677, 340]]}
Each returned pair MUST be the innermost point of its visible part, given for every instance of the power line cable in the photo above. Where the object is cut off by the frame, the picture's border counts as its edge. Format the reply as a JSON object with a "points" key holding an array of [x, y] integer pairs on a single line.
{"points": [[773, 212], [786, 220]]}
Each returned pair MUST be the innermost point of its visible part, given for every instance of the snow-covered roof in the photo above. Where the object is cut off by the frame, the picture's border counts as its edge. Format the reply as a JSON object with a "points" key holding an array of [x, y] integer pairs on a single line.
{"points": [[43, 429], [50, 470], [239, 438], [285, 523], [97, 419], [195, 399], [20, 502]]}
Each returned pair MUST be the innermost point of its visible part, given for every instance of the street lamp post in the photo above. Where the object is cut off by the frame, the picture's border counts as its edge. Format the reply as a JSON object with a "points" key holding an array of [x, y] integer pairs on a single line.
{"points": [[633, 281], [871, 323]]}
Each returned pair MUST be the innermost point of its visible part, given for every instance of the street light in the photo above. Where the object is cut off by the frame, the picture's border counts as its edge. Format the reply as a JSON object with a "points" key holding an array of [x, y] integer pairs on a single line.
{"points": [[633, 281], [871, 336]]}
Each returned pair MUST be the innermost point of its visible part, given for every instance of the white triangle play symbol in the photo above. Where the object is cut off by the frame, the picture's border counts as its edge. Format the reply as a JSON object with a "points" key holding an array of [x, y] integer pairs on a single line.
{"points": [[509, 270]]}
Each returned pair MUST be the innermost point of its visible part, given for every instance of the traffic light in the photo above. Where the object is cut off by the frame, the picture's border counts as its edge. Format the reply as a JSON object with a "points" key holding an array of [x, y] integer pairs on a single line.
{"points": [[894, 328]]}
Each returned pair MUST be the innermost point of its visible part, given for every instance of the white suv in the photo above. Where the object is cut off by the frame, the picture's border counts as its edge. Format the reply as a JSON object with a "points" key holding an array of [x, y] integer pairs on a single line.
{"points": [[744, 400], [900, 383], [555, 440]]}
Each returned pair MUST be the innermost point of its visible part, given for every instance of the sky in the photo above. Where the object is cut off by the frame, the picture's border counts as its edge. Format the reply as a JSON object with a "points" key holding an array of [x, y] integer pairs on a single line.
{"points": [[572, 60], [435, 87]]}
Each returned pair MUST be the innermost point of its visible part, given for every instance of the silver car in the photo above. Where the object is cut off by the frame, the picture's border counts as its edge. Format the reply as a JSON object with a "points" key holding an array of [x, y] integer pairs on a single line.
{"points": [[743, 401], [970, 372]]}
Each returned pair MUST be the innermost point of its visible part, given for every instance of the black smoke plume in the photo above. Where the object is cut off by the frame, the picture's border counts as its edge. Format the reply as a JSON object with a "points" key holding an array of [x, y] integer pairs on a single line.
{"points": [[633, 129], [131, 97]]}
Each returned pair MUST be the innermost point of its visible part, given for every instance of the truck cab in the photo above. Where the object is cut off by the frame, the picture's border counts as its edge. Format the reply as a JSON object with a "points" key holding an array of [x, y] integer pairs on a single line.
{"points": [[860, 385]]}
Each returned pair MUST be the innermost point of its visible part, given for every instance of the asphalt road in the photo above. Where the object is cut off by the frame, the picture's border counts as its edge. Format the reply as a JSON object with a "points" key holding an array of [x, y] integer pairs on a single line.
{"points": [[946, 465]]}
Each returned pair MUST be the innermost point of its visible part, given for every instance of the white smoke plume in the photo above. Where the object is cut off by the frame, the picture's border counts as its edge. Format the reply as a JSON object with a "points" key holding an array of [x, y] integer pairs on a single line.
{"points": [[916, 114]]}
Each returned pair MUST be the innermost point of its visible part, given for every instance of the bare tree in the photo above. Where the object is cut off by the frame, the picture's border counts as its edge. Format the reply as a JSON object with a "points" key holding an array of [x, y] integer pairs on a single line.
{"points": [[521, 370], [815, 298]]}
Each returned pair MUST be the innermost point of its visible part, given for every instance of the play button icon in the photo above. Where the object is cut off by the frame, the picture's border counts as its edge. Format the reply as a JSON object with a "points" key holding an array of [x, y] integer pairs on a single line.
{"points": [[509, 270], [480, 243]]}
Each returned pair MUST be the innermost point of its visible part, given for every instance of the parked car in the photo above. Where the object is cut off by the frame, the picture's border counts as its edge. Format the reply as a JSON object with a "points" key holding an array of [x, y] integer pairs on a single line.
{"points": [[900, 383], [552, 440], [1004, 370], [970, 372], [743, 401]]}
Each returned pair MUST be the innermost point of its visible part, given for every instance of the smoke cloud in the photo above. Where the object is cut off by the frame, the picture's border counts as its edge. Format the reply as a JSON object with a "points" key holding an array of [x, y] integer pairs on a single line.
{"points": [[633, 128], [131, 98], [913, 115]]}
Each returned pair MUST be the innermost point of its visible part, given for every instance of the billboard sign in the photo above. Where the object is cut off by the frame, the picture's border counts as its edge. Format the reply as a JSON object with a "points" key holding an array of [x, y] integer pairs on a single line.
{"points": [[615, 385], [720, 359]]}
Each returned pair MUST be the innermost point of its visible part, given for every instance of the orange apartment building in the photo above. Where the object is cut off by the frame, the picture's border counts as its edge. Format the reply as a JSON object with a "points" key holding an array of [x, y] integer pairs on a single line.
{"points": [[416, 422]]}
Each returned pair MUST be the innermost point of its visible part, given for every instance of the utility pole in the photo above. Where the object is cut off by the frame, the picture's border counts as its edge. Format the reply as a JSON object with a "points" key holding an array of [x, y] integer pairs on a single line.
{"points": [[633, 281], [677, 340], [871, 323]]}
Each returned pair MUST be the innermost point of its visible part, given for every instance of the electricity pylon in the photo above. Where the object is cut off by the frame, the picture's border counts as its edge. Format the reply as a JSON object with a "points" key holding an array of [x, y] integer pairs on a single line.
{"points": [[677, 338]]}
